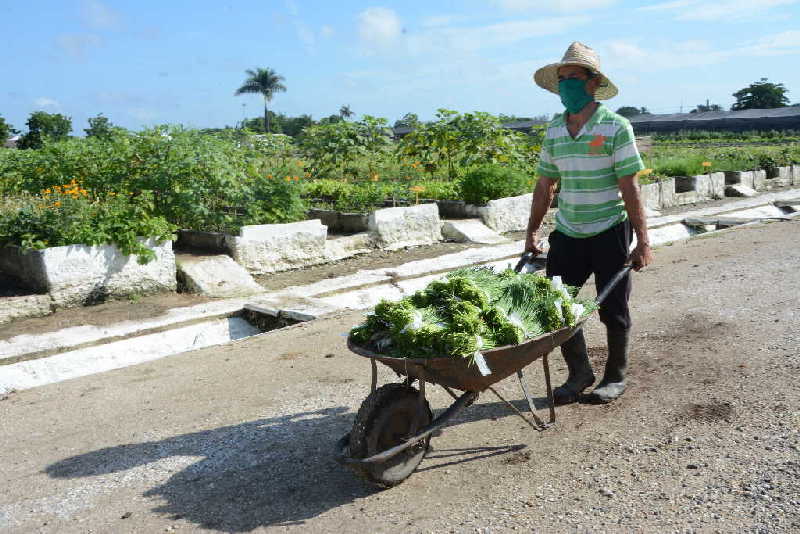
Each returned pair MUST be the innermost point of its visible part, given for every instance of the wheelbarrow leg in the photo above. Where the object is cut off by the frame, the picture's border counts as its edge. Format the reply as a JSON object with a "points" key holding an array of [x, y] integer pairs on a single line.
{"points": [[525, 391], [550, 400]]}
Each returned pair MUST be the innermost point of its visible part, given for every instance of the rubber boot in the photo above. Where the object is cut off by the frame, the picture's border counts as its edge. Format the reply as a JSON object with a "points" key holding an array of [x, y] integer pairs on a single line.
{"points": [[613, 383], [580, 370]]}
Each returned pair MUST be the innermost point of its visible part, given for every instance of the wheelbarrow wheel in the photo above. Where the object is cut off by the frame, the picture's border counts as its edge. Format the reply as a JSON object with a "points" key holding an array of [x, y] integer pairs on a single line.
{"points": [[389, 416]]}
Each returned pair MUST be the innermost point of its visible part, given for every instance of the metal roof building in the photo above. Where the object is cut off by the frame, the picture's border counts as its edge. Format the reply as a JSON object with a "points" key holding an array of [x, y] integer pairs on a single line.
{"points": [[787, 118]]}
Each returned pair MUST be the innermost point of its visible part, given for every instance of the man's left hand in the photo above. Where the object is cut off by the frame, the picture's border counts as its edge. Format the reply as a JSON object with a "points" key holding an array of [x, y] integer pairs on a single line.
{"points": [[641, 256]]}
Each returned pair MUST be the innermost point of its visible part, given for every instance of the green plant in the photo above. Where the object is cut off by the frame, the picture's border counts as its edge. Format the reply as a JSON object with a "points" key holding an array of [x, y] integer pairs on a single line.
{"points": [[489, 182], [59, 218], [335, 147], [43, 126]]}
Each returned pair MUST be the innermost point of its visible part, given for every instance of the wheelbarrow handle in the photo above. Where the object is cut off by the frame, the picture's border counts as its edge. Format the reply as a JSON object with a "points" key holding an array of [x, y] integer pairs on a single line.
{"points": [[527, 258], [613, 283]]}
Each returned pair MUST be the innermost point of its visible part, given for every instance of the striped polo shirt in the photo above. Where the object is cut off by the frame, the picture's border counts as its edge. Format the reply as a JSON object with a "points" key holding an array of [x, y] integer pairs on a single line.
{"points": [[589, 167]]}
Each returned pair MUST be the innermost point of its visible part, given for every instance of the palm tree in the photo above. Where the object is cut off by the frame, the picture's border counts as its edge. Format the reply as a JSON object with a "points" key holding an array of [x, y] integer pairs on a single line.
{"points": [[266, 82], [345, 112]]}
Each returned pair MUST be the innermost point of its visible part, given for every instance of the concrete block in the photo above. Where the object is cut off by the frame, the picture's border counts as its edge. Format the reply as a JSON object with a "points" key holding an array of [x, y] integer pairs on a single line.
{"points": [[215, 276], [338, 248], [669, 233], [667, 193], [509, 214], [759, 180], [78, 274], [689, 197], [270, 248], [470, 231], [739, 190], [706, 186], [744, 178], [21, 307], [651, 195], [716, 185], [395, 228], [783, 178]]}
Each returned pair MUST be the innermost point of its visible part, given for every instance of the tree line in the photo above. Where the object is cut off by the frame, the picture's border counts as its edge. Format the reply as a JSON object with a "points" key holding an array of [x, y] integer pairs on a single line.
{"points": [[266, 82]]}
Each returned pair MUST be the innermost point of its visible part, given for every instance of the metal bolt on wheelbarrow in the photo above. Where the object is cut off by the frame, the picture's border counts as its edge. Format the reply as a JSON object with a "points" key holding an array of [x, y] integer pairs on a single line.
{"points": [[394, 425]]}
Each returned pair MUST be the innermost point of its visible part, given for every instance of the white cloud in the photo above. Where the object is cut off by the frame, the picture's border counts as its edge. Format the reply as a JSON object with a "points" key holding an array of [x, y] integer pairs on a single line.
{"points": [[99, 16], [624, 55], [553, 5], [479, 37], [717, 10], [44, 102], [77, 45], [379, 27]]}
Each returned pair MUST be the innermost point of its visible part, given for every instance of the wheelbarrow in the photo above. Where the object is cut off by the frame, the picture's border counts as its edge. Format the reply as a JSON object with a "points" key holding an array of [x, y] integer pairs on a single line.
{"points": [[394, 425]]}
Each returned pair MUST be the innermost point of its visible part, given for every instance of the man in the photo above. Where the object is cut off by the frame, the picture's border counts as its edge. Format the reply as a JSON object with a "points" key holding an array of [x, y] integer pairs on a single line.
{"points": [[591, 151]]}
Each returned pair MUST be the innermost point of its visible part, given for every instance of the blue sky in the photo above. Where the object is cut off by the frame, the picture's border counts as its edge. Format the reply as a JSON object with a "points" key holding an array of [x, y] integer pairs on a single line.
{"points": [[145, 62]]}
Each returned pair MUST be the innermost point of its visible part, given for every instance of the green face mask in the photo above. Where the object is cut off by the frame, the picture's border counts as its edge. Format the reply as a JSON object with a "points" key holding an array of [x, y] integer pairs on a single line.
{"points": [[573, 94]]}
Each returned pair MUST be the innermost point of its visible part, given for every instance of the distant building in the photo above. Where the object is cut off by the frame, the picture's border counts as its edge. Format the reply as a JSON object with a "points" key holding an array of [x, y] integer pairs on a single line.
{"points": [[12, 141], [787, 118]]}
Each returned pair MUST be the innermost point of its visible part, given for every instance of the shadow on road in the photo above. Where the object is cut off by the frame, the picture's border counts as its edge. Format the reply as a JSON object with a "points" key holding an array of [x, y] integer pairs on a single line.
{"points": [[276, 471], [273, 471]]}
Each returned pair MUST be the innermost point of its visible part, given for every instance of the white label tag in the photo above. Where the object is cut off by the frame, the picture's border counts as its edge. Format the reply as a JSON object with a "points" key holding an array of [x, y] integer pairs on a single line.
{"points": [[482, 367]]}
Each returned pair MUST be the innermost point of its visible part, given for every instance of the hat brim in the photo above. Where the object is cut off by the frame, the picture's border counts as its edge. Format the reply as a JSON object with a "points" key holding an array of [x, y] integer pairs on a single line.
{"points": [[547, 78]]}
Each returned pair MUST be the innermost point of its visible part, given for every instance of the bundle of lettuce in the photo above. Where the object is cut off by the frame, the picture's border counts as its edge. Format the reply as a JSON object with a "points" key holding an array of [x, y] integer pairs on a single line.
{"points": [[471, 310]]}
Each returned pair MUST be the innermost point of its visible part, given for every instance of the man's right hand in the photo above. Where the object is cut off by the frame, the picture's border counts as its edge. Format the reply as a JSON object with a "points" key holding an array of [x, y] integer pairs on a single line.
{"points": [[534, 244]]}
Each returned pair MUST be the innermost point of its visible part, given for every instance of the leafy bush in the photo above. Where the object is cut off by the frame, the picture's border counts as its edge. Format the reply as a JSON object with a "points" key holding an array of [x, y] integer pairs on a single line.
{"points": [[198, 181], [490, 182], [455, 142], [64, 215]]}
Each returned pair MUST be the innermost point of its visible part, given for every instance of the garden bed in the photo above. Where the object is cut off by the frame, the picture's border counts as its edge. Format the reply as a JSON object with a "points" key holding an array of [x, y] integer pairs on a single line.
{"points": [[81, 274]]}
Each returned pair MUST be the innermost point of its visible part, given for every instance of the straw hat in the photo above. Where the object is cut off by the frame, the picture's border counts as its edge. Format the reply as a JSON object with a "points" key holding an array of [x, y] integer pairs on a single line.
{"points": [[583, 56]]}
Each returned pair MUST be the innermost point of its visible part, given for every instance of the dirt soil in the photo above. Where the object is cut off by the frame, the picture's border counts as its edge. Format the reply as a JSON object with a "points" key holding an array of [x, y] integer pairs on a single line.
{"points": [[240, 437], [374, 260]]}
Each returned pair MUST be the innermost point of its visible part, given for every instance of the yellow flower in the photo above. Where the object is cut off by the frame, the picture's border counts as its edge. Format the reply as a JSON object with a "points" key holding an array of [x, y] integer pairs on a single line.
{"points": [[269, 176], [374, 176], [288, 178], [416, 189], [57, 203], [645, 172], [46, 191], [706, 164]]}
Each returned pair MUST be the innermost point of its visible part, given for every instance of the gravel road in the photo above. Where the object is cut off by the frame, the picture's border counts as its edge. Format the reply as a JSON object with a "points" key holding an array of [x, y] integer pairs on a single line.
{"points": [[239, 438]]}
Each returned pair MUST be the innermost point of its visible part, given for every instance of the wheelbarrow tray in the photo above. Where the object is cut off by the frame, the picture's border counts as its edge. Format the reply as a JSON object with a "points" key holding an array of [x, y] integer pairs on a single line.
{"points": [[457, 373]]}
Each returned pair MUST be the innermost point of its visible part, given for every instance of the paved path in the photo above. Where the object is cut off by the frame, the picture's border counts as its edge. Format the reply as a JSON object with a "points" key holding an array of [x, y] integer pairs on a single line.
{"points": [[238, 438]]}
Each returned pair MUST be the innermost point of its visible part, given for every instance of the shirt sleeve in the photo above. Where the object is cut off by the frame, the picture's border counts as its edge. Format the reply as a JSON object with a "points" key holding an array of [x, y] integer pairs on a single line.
{"points": [[626, 156], [546, 168]]}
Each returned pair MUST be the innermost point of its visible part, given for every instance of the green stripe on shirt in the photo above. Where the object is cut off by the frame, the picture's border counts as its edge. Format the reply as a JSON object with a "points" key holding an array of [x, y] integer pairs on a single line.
{"points": [[589, 166]]}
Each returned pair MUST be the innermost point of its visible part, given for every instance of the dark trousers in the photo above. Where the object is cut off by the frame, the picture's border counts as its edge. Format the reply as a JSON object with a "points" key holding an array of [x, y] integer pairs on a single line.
{"points": [[574, 259]]}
